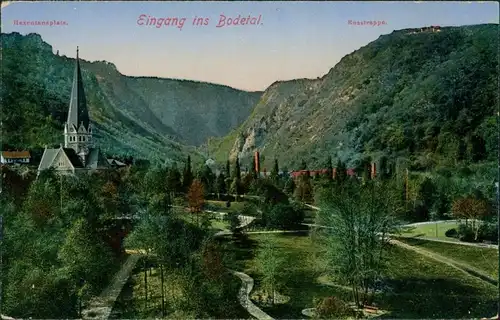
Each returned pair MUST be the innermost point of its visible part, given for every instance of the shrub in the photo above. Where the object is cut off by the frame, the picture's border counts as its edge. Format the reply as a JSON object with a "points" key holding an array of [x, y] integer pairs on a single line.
{"points": [[488, 232], [451, 233], [332, 307], [211, 207], [445, 172], [248, 209], [179, 201], [465, 233], [284, 216], [234, 221]]}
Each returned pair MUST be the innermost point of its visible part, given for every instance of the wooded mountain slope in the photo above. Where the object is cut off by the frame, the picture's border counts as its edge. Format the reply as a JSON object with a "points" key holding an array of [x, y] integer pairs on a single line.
{"points": [[148, 117], [430, 98]]}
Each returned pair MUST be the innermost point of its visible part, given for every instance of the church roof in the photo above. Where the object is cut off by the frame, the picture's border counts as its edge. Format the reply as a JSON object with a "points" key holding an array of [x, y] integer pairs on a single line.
{"points": [[48, 158], [73, 157], [78, 112], [114, 162], [96, 159], [49, 155]]}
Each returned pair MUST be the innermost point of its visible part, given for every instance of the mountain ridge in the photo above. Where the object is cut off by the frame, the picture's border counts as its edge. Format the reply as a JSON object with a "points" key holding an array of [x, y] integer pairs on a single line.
{"points": [[36, 87], [427, 78]]}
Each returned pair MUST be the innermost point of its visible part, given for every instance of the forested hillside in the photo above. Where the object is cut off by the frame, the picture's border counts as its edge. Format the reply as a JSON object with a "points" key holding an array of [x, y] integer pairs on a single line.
{"points": [[145, 117], [428, 99]]}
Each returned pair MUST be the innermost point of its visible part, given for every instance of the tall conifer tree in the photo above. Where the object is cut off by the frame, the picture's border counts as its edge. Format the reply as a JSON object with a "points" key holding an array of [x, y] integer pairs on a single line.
{"points": [[187, 177], [329, 169], [275, 172]]}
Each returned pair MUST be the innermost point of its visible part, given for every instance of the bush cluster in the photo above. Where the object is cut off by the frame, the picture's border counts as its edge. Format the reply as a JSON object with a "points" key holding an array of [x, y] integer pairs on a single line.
{"points": [[333, 307]]}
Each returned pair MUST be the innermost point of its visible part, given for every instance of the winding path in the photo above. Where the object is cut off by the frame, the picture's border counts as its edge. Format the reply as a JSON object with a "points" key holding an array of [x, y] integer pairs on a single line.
{"points": [[469, 244], [247, 281], [245, 301]]}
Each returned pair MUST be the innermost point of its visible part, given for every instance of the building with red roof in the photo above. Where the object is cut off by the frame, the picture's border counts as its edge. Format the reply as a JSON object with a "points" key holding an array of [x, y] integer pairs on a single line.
{"points": [[8, 157]]}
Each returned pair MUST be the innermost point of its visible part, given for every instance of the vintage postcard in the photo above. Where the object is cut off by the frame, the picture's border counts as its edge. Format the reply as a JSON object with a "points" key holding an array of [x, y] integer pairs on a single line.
{"points": [[249, 160]]}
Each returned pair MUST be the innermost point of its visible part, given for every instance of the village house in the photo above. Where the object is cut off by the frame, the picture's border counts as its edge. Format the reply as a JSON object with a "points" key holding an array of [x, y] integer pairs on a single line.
{"points": [[8, 157], [116, 164]]}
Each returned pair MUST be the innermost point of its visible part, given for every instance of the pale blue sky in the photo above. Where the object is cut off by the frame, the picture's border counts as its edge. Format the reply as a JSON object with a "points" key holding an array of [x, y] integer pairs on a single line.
{"points": [[295, 40]]}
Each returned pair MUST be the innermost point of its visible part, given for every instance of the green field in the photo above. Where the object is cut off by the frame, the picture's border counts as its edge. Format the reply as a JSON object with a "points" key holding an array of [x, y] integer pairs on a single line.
{"points": [[219, 224], [132, 304], [416, 287], [429, 230], [483, 259]]}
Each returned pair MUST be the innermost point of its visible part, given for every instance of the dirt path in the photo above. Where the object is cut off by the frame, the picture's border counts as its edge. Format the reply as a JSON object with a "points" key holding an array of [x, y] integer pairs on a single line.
{"points": [[101, 307], [461, 243], [245, 301], [463, 267]]}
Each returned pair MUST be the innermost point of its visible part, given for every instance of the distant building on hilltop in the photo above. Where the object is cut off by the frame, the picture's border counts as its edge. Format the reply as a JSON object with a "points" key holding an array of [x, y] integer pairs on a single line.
{"points": [[78, 153], [425, 29]]}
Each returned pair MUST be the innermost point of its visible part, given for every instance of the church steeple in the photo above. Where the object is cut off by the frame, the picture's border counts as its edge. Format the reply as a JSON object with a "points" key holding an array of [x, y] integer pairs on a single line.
{"points": [[78, 112], [78, 131]]}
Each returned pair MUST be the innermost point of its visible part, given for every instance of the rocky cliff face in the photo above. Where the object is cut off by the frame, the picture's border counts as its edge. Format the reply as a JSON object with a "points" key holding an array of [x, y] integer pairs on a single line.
{"points": [[405, 95]]}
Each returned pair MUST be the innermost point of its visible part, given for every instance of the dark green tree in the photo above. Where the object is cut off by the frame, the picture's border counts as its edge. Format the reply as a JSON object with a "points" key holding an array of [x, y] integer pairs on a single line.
{"points": [[304, 189], [85, 256], [275, 172], [187, 176], [461, 150], [246, 182], [289, 186], [174, 183], [477, 148], [237, 170], [383, 168], [228, 169], [220, 185], [303, 165], [207, 178], [254, 172], [285, 216], [427, 193], [341, 175], [329, 169]]}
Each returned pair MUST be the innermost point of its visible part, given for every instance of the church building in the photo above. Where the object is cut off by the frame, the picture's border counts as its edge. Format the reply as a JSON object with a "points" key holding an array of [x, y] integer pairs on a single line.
{"points": [[79, 153]]}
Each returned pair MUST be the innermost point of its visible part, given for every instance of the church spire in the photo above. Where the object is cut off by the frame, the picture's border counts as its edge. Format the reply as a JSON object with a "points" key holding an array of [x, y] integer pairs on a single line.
{"points": [[78, 112]]}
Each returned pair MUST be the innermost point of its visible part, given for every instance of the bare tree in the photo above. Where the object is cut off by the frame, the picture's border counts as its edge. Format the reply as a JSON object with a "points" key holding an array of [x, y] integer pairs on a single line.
{"points": [[270, 264], [358, 218], [195, 197]]}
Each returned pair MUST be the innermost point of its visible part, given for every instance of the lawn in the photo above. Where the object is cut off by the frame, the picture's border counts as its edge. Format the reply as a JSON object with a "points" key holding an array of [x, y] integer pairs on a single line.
{"points": [[416, 287], [423, 288], [299, 275], [219, 225], [483, 259], [429, 230], [131, 304]]}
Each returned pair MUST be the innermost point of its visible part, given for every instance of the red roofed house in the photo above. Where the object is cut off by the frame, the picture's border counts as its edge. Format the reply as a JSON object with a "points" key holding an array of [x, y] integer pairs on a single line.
{"points": [[295, 174], [15, 157]]}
